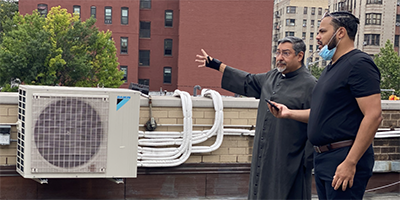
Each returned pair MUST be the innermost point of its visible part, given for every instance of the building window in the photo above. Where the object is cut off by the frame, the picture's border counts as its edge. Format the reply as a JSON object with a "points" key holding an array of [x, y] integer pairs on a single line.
{"points": [[42, 9], [303, 35], [319, 11], [144, 57], [396, 40], [310, 48], [323, 63], [397, 19], [108, 15], [145, 4], [290, 22], [291, 9], [373, 19], [167, 75], [144, 81], [305, 10], [93, 11], [144, 31], [374, 1], [313, 11], [168, 18], [371, 39], [312, 23], [311, 35], [125, 75], [168, 47], [77, 10], [124, 45], [289, 33], [304, 22], [124, 15]]}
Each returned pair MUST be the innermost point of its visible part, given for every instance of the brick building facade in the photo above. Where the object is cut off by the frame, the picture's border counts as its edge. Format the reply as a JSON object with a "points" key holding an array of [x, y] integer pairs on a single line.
{"points": [[157, 40]]}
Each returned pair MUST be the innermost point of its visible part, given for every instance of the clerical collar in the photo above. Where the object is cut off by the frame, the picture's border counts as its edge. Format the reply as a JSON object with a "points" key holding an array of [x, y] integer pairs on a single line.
{"points": [[294, 73]]}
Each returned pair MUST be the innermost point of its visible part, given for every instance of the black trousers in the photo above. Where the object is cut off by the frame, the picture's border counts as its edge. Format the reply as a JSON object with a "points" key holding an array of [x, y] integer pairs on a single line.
{"points": [[325, 165]]}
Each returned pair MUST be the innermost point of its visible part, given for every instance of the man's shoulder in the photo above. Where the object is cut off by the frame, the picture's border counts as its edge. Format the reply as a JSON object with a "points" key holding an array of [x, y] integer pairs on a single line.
{"points": [[358, 54]]}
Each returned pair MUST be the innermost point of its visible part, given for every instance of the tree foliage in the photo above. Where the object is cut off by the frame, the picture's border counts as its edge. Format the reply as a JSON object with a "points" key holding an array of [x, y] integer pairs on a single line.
{"points": [[58, 50], [388, 63], [316, 70], [7, 10]]}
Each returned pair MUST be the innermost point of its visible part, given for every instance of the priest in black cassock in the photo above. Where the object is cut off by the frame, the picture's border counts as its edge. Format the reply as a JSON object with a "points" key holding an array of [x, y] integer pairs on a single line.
{"points": [[282, 155]]}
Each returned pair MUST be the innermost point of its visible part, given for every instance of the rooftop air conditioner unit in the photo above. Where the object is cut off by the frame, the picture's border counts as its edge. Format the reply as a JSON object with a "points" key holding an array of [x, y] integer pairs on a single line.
{"points": [[71, 132]]}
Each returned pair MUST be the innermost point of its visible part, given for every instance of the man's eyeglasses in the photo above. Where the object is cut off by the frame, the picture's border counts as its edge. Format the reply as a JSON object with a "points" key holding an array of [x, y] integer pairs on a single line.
{"points": [[284, 54]]}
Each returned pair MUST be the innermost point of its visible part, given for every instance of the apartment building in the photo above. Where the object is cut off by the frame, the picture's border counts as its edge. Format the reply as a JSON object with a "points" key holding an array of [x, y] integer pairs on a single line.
{"points": [[300, 18], [379, 22], [157, 40]]}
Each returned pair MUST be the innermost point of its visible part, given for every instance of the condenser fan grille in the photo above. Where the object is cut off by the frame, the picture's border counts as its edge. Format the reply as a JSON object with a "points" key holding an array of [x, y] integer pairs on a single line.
{"points": [[69, 132]]}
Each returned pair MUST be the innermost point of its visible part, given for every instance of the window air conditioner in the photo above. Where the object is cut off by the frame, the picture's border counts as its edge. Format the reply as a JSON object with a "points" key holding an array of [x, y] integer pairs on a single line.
{"points": [[68, 132], [397, 23]]}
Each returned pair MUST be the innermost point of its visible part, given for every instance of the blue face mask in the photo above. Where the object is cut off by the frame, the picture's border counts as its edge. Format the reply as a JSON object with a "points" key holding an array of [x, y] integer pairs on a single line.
{"points": [[327, 54]]}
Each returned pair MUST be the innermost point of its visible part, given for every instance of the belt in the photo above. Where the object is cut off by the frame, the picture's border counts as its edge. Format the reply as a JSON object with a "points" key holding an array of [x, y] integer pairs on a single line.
{"points": [[335, 145]]}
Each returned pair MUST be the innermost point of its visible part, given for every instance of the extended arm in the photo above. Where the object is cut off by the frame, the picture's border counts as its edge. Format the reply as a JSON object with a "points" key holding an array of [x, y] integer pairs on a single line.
{"points": [[370, 106], [284, 112]]}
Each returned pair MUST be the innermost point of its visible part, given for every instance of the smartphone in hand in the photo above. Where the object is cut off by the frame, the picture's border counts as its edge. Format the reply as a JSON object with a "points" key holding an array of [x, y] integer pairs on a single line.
{"points": [[273, 105]]}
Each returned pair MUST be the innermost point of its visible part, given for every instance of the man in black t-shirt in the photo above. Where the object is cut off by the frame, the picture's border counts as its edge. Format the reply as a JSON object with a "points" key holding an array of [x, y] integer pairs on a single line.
{"points": [[345, 111]]}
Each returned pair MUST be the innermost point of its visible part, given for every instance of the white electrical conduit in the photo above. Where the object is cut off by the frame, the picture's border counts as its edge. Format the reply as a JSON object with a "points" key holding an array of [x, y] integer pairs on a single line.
{"points": [[154, 157], [218, 125], [184, 151], [196, 138]]}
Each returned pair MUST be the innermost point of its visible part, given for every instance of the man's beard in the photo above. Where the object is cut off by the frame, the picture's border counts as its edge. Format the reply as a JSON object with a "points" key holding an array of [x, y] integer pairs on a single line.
{"points": [[333, 43], [280, 68]]}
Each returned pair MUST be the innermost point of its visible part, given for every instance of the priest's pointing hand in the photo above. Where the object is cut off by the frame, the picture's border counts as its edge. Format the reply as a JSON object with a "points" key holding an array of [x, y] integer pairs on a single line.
{"points": [[205, 60]]}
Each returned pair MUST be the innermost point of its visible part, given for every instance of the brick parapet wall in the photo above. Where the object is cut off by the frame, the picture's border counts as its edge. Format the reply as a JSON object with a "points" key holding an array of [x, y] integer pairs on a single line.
{"points": [[237, 112]]}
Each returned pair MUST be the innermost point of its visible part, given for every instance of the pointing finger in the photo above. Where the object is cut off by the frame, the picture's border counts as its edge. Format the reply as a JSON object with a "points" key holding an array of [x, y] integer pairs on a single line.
{"points": [[204, 53]]}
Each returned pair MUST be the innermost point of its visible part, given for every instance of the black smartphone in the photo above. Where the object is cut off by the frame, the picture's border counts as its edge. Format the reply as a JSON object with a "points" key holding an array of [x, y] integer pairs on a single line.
{"points": [[273, 105]]}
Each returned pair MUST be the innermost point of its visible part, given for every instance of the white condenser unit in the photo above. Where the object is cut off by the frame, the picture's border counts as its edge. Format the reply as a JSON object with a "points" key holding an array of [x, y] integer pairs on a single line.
{"points": [[72, 132]]}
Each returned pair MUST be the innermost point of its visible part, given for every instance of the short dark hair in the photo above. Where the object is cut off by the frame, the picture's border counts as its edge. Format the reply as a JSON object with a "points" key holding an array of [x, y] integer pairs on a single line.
{"points": [[346, 20], [297, 43]]}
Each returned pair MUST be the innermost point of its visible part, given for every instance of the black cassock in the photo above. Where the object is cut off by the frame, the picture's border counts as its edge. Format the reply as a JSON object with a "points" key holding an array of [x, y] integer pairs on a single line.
{"points": [[282, 156]]}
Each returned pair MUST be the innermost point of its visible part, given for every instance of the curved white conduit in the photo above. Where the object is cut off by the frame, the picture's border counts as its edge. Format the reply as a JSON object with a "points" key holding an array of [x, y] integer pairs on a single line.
{"points": [[184, 151], [161, 153], [218, 124], [172, 156]]}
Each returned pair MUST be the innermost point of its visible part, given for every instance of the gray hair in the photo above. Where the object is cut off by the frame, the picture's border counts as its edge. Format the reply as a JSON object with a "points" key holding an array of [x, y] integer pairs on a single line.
{"points": [[297, 43]]}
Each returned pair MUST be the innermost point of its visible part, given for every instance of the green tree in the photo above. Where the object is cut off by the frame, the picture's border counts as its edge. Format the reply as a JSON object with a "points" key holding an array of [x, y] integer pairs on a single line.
{"points": [[7, 10], [58, 50], [388, 63], [316, 70]]}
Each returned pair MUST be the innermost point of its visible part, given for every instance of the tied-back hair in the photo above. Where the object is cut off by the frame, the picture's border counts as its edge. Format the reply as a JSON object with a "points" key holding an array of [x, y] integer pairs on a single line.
{"points": [[346, 20], [297, 43]]}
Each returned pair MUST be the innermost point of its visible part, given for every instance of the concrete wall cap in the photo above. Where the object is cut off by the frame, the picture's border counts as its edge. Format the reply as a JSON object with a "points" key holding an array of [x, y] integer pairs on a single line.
{"points": [[8, 98], [200, 102], [165, 101]]}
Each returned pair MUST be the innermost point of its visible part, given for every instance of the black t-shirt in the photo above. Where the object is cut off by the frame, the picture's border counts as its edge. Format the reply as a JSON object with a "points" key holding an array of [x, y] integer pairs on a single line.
{"points": [[335, 115]]}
